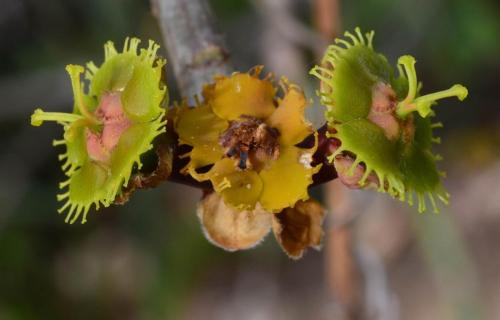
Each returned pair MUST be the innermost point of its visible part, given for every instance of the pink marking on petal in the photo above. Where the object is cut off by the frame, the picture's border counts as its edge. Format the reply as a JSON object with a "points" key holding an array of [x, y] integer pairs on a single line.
{"points": [[95, 149], [115, 122], [382, 110]]}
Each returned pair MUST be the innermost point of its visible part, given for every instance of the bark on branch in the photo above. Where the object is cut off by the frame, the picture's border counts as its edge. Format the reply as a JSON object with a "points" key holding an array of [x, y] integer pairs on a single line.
{"points": [[196, 50]]}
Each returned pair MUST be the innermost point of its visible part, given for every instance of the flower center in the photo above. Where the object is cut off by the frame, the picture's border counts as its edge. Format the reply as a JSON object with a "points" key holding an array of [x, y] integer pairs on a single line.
{"points": [[114, 123], [251, 141], [382, 111]]}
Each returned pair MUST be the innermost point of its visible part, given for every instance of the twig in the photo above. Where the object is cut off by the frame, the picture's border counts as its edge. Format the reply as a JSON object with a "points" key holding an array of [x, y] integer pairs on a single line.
{"points": [[197, 51]]}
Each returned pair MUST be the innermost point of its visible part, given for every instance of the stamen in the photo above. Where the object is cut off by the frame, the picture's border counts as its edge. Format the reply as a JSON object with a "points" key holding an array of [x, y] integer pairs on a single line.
{"points": [[422, 104], [74, 72], [39, 116], [408, 62]]}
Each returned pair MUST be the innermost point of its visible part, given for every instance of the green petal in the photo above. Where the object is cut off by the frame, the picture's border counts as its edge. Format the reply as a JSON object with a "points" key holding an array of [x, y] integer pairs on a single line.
{"points": [[76, 148], [348, 75], [135, 141], [137, 74], [370, 146], [117, 69], [87, 187], [418, 167], [143, 94]]}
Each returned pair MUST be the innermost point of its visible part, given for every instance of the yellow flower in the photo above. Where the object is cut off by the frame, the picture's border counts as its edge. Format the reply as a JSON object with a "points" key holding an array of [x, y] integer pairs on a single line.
{"points": [[249, 137]]}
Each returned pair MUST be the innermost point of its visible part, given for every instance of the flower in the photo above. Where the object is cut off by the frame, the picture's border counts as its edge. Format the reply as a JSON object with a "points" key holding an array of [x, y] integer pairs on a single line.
{"points": [[382, 122], [112, 124], [249, 138]]}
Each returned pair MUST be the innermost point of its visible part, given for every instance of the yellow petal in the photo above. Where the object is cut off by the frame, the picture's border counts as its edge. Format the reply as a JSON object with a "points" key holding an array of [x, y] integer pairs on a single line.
{"points": [[289, 118], [231, 229], [204, 154], [199, 125], [240, 189], [299, 227], [286, 180], [240, 94]]}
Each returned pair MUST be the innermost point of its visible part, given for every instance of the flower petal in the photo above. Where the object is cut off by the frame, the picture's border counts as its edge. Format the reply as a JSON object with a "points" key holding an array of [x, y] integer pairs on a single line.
{"points": [[231, 229], [114, 74], [299, 227], [241, 94], [370, 145], [287, 179], [86, 188], [199, 126], [135, 141], [203, 155], [142, 96], [240, 189], [289, 117], [74, 138]]}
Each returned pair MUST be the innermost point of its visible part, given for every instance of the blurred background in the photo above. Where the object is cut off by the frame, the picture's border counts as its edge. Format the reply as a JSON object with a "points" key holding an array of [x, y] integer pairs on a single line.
{"points": [[149, 259]]}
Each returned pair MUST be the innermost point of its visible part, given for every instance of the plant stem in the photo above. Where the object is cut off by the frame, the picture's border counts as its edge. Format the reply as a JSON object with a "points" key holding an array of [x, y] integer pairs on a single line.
{"points": [[196, 50]]}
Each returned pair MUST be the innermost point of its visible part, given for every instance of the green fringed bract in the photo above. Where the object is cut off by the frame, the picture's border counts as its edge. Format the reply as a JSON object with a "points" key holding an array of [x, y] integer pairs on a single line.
{"points": [[134, 118], [370, 110]]}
